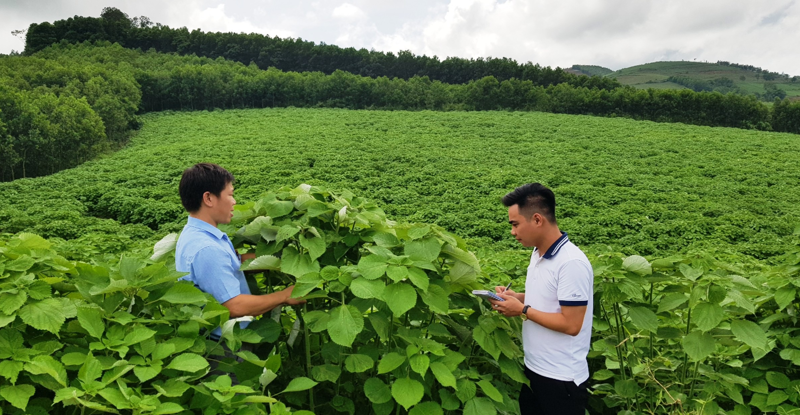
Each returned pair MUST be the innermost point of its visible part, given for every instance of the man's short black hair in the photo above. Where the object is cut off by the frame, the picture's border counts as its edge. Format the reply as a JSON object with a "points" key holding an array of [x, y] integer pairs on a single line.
{"points": [[533, 198], [199, 179]]}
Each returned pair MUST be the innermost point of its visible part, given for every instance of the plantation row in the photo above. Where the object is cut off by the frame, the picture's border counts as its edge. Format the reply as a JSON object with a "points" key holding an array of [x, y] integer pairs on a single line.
{"points": [[646, 188], [389, 326], [104, 87], [290, 55]]}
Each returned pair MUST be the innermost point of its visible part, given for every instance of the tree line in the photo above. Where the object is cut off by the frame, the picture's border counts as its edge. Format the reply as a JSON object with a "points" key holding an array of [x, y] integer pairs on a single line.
{"points": [[106, 85], [289, 54], [58, 112]]}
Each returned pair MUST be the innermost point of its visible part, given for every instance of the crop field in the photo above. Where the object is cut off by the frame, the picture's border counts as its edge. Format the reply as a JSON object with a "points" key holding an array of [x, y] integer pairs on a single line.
{"points": [[691, 232], [640, 187]]}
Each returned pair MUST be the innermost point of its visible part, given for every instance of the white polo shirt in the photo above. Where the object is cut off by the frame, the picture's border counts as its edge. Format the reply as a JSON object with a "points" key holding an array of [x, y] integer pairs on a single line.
{"points": [[562, 276]]}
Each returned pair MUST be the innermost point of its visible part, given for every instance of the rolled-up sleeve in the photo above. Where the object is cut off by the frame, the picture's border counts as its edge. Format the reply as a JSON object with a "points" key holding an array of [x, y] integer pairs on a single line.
{"points": [[214, 273]]}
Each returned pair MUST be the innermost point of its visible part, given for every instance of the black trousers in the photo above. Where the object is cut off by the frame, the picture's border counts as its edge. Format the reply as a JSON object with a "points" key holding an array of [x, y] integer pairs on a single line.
{"points": [[552, 397]]}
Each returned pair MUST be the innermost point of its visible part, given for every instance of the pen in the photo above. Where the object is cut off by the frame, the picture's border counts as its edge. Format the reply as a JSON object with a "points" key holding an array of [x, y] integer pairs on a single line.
{"points": [[507, 287]]}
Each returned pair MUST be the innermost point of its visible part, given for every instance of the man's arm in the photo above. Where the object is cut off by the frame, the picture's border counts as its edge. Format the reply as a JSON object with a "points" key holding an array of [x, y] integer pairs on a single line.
{"points": [[256, 305], [568, 321]]}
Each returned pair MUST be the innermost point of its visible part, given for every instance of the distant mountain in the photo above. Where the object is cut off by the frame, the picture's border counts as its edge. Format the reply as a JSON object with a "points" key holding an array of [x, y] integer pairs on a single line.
{"points": [[724, 77], [589, 70]]}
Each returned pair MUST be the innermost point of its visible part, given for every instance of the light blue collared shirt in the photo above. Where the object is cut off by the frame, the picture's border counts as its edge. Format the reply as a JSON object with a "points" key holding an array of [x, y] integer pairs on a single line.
{"points": [[207, 254]]}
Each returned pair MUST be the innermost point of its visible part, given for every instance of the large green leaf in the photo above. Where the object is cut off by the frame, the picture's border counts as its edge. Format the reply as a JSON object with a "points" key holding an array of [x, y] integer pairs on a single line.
{"points": [[44, 315], [423, 250], [490, 390], [264, 262], [188, 362], [315, 245], [184, 292], [328, 372], [750, 333], [707, 316], [643, 318], [637, 264], [479, 406], [23, 263], [626, 388], [785, 296], [277, 208], [443, 374], [377, 391], [698, 345], [390, 362], [92, 321], [400, 297], [10, 303], [345, 323], [10, 369], [670, 301], [778, 380], [436, 298], [145, 373], [17, 395], [357, 363], [164, 246], [419, 278], [459, 254], [426, 408], [297, 264], [372, 266], [90, 370], [407, 392], [420, 363], [364, 288], [168, 408], [137, 335], [172, 388], [46, 365], [299, 384], [397, 273]]}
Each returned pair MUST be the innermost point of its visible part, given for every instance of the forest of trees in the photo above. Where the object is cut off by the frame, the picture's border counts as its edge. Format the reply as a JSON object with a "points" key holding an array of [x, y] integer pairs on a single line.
{"points": [[295, 55], [68, 102]]}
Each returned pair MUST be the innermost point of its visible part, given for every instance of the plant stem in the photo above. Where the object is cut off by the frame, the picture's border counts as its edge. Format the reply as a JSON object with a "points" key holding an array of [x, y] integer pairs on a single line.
{"points": [[685, 355], [307, 341], [691, 388]]}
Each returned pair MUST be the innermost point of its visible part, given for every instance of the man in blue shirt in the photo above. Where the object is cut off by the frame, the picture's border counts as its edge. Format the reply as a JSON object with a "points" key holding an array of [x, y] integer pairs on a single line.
{"points": [[208, 255]]}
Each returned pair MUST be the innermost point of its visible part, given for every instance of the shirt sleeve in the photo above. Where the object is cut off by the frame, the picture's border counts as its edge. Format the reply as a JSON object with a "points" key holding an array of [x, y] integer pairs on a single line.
{"points": [[214, 274], [575, 284]]}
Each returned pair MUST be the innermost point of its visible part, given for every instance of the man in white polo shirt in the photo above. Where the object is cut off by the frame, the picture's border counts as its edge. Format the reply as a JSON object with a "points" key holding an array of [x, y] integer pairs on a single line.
{"points": [[556, 306]]}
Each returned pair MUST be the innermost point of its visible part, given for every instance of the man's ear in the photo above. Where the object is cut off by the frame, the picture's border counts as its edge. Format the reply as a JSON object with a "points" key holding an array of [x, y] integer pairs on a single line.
{"points": [[538, 219], [207, 199]]}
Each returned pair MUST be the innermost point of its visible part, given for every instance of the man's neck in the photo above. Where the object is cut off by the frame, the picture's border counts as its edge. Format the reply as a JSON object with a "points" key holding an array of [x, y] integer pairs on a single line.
{"points": [[548, 240], [204, 217]]}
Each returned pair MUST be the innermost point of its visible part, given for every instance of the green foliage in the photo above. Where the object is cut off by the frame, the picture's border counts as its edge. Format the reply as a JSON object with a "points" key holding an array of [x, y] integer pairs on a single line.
{"points": [[651, 189], [129, 337], [719, 340]]}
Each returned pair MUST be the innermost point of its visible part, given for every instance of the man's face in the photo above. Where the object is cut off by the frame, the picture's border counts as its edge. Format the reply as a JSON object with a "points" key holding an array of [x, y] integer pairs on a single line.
{"points": [[222, 205], [523, 229]]}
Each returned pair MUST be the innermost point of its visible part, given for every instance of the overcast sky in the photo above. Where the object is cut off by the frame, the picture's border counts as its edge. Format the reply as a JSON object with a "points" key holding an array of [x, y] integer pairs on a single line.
{"points": [[611, 33]]}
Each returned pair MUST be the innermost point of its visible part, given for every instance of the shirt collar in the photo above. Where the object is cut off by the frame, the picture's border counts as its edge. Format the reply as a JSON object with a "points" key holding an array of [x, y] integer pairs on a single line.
{"points": [[556, 246], [205, 226]]}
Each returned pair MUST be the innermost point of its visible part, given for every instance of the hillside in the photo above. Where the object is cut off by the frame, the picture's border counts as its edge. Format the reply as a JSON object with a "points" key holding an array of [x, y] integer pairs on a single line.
{"points": [[702, 76]]}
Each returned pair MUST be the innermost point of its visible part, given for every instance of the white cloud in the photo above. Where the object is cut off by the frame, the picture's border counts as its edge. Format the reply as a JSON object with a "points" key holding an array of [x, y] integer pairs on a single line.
{"points": [[349, 12]]}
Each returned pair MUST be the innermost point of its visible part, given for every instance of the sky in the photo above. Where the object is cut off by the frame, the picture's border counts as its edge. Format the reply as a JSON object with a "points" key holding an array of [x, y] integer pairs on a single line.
{"points": [[611, 33]]}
